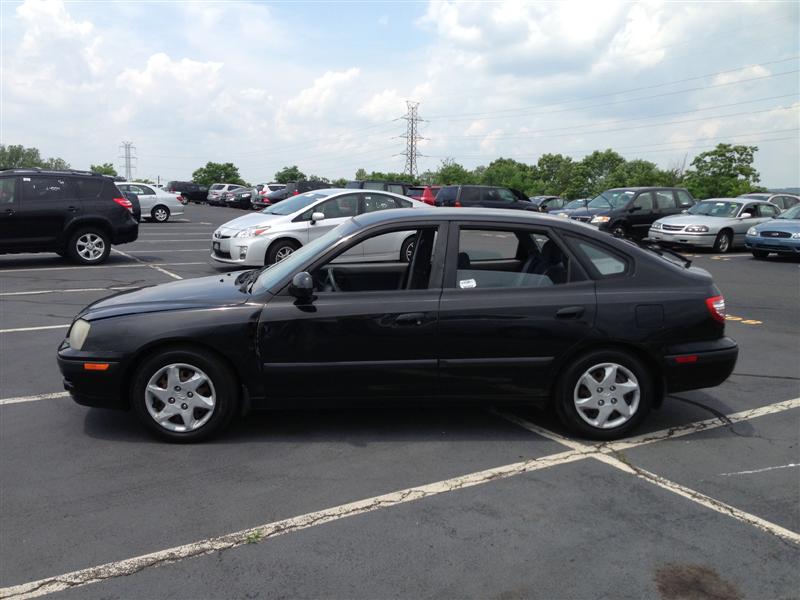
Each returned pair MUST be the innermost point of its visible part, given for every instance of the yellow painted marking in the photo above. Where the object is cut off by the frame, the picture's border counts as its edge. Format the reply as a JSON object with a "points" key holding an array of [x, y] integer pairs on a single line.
{"points": [[732, 318], [752, 322]]}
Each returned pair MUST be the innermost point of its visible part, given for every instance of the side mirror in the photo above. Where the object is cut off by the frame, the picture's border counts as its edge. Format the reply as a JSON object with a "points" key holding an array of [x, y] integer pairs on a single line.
{"points": [[317, 216], [685, 211], [746, 216], [302, 286]]}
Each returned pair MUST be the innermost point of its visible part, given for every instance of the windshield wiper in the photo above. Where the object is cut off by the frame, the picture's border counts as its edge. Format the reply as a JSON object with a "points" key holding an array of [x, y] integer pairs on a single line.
{"points": [[246, 279]]}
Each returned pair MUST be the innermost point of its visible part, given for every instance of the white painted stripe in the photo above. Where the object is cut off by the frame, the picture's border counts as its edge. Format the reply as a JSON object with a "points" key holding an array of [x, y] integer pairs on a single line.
{"points": [[66, 291], [274, 529], [764, 470], [138, 264], [151, 265], [19, 329], [207, 240], [204, 249], [21, 399]]}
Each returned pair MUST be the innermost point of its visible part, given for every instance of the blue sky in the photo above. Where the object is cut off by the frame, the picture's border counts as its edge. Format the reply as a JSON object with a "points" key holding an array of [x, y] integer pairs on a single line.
{"points": [[319, 84]]}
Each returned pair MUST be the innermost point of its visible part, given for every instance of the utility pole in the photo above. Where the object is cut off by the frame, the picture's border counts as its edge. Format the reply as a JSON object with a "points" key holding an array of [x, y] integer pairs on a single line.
{"points": [[128, 156], [412, 137]]}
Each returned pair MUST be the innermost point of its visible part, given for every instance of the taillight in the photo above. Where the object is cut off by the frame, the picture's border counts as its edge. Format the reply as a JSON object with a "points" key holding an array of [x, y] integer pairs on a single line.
{"points": [[716, 306], [124, 203], [295, 193], [457, 204]]}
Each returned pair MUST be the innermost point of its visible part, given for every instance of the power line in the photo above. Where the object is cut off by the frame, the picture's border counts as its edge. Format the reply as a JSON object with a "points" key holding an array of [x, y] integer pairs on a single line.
{"points": [[412, 136]]}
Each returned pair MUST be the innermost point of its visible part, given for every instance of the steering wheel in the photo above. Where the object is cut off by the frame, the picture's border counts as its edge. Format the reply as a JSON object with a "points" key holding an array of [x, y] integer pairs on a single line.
{"points": [[331, 280]]}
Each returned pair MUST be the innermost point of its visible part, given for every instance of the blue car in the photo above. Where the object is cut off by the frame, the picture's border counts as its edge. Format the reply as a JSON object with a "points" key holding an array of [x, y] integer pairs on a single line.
{"points": [[780, 235]]}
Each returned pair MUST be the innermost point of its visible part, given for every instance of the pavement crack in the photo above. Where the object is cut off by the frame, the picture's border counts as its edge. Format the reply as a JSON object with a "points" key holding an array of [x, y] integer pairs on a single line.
{"points": [[718, 414]]}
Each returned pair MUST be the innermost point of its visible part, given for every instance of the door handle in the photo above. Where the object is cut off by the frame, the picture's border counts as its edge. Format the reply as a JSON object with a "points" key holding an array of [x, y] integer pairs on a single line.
{"points": [[570, 312], [407, 319], [72, 208]]}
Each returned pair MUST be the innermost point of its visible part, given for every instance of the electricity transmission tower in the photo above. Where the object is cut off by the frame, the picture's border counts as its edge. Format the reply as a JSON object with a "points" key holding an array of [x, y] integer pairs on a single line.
{"points": [[412, 137], [128, 156]]}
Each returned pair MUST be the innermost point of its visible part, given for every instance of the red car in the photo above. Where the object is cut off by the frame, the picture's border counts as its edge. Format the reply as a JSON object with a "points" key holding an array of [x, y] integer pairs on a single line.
{"points": [[423, 193]]}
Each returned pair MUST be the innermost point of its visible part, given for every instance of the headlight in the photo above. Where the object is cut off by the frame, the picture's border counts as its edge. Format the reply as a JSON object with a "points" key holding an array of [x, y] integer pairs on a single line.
{"points": [[600, 219], [78, 334], [562, 215], [796, 235], [251, 232], [697, 229], [752, 231], [245, 195], [656, 225]]}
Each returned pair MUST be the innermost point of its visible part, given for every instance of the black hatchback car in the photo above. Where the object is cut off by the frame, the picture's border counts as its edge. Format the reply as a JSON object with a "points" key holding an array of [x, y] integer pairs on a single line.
{"points": [[495, 305], [77, 214], [629, 212], [470, 196]]}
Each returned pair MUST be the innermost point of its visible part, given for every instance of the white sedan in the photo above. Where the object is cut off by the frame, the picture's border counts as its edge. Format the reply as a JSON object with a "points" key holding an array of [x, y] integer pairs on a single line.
{"points": [[157, 204], [268, 236]]}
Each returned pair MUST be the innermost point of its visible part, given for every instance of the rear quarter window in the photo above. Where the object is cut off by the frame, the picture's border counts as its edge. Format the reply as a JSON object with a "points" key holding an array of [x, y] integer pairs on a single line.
{"points": [[88, 188], [603, 261]]}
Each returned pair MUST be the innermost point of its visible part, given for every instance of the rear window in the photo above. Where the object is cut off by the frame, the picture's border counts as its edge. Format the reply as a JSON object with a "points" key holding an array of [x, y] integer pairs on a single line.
{"points": [[275, 188], [373, 185], [395, 189], [217, 186], [447, 195], [88, 188], [353, 184]]}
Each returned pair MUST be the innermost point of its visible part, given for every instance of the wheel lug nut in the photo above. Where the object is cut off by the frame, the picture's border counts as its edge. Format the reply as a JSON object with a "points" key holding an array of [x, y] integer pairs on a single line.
{"points": [[190, 395], [184, 406], [177, 388], [601, 402], [613, 388], [171, 400], [599, 389], [613, 401]]}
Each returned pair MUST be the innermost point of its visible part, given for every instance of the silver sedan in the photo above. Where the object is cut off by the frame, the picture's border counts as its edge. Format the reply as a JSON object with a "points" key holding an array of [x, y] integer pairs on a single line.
{"points": [[718, 223], [269, 236]]}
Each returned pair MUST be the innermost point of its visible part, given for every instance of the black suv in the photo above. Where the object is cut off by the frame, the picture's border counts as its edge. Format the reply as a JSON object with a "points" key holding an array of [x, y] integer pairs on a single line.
{"points": [[73, 213], [483, 195], [629, 212], [193, 192], [396, 187]]}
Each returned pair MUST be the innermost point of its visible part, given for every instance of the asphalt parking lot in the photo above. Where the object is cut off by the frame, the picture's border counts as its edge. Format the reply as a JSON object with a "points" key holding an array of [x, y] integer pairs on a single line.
{"points": [[419, 502]]}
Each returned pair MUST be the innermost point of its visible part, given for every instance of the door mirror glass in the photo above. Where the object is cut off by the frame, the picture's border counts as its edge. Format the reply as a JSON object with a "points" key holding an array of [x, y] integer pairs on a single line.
{"points": [[302, 285], [746, 215], [317, 216]]}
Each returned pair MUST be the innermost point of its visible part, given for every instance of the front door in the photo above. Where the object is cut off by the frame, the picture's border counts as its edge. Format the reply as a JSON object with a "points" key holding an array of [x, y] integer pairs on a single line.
{"points": [[369, 332], [9, 213], [641, 214], [514, 301]]}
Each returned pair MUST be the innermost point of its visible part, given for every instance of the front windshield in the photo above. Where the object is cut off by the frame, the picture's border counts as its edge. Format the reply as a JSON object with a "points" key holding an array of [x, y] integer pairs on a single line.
{"points": [[792, 213], [712, 208], [293, 204], [294, 262], [576, 204], [612, 199]]}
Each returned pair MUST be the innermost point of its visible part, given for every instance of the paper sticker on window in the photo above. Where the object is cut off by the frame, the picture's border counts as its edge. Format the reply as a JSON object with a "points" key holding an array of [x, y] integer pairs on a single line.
{"points": [[466, 284]]}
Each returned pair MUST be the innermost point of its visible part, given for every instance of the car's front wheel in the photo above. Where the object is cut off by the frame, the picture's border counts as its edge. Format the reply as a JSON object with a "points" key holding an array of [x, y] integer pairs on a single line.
{"points": [[160, 214], [760, 254], [723, 242], [604, 394], [619, 230], [184, 395], [407, 249], [280, 250], [89, 246]]}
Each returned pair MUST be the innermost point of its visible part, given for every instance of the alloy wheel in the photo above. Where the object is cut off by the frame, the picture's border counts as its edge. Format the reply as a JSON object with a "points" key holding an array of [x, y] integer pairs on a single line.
{"points": [[180, 397], [160, 215], [90, 246], [607, 395], [283, 252], [410, 252]]}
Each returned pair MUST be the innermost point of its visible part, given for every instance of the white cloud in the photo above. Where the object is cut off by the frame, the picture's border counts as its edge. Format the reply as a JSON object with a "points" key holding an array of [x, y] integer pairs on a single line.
{"points": [[384, 105], [313, 101]]}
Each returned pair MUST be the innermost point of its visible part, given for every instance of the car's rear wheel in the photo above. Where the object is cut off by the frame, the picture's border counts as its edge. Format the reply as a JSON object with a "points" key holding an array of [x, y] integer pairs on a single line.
{"points": [[160, 214], [760, 254], [184, 395], [89, 246], [280, 250], [604, 394], [407, 249], [723, 242]]}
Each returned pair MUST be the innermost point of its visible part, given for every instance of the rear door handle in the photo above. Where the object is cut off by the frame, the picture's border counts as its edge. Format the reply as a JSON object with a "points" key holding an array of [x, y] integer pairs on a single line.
{"points": [[570, 312], [407, 319]]}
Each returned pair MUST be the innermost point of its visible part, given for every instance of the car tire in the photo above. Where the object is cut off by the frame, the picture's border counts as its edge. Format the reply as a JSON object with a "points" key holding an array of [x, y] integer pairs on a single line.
{"points": [[760, 254], [407, 249], [160, 214], [724, 242], [619, 230], [280, 250], [89, 246], [184, 412], [592, 410]]}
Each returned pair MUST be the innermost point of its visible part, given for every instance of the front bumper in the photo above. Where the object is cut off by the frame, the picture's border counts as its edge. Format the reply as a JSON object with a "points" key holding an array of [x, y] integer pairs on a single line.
{"points": [[682, 238], [766, 244], [104, 389], [699, 365], [240, 251]]}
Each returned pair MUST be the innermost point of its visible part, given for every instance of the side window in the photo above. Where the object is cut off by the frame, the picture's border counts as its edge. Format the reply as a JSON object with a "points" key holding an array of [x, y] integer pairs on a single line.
{"points": [[470, 195], [88, 188], [375, 202], [45, 189], [7, 189], [789, 201], [665, 200], [750, 208], [644, 201], [447, 195], [146, 191], [343, 206], [396, 189], [765, 210], [497, 195], [510, 259], [605, 262], [684, 199]]}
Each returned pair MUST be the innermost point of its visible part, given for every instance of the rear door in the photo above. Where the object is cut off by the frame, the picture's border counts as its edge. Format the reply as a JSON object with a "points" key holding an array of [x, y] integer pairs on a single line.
{"points": [[49, 202], [9, 212], [498, 198], [666, 203], [642, 213]]}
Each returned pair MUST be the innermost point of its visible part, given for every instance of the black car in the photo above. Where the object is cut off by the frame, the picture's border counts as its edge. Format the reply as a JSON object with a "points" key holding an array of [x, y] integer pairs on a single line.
{"points": [[497, 305], [629, 212], [241, 198], [73, 213], [548, 203], [193, 192], [483, 195]]}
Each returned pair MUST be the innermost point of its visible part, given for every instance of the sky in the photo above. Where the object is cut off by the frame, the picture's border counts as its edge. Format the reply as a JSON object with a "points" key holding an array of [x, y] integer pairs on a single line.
{"points": [[324, 85]]}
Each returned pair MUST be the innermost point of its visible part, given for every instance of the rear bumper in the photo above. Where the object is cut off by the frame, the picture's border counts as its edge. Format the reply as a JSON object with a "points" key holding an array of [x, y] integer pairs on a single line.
{"points": [[102, 389], [699, 365], [126, 233]]}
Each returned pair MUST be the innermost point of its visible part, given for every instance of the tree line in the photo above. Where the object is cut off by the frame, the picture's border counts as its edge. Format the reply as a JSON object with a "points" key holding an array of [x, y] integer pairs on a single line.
{"points": [[725, 171]]}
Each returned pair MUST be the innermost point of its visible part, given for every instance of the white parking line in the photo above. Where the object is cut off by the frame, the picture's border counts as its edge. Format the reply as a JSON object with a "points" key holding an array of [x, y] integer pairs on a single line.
{"points": [[266, 531], [204, 249], [37, 292], [151, 265], [19, 329], [764, 470], [208, 239], [138, 264], [21, 399]]}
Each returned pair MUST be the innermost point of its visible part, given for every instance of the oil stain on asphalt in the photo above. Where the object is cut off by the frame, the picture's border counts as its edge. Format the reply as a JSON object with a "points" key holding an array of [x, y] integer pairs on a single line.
{"points": [[693, 582]]}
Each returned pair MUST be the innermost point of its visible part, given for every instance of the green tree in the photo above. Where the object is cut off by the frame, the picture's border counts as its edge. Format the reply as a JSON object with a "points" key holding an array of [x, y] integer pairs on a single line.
{"points": [[508, 172], [450, 172], [318, 178], [18, 156], [217, 173], [726, 171], [289, 174], [361, 175], [553, 175], [104, 169], [634, 173], [598, 169], [339, 183]]}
